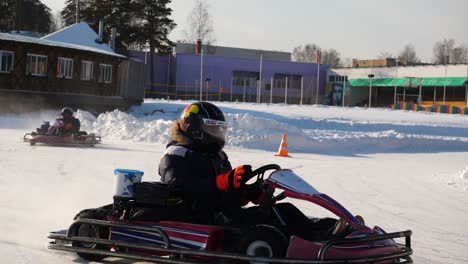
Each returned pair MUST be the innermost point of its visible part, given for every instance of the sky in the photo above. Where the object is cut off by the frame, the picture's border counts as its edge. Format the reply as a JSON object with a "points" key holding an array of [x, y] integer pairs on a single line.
{"points": [[356, 28]]}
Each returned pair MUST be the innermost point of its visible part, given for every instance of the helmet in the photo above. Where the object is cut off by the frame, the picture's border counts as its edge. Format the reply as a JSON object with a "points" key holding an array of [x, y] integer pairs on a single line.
{"points": [[204, 123], [67, 111]]}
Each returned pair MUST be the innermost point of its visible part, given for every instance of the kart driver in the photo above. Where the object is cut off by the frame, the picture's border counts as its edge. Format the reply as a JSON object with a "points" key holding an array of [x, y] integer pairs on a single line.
{"points": [[71, 125], [195, 164]]}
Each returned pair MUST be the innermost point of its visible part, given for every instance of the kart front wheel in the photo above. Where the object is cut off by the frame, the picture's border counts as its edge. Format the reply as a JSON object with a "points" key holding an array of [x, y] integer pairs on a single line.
{"points": [[91, 231], [264, 241]]}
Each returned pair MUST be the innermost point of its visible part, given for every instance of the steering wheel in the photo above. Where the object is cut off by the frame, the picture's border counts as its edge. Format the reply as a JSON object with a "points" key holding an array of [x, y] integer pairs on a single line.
{"points": [[259, 173]]}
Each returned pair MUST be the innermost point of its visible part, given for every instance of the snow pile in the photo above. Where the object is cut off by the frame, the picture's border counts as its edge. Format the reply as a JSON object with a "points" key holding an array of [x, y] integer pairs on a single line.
{"points": [[346, 131], [317, 129], [123, 126]]}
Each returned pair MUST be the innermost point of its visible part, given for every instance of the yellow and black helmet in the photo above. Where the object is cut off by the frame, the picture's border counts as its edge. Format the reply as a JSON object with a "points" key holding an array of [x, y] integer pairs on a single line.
{"points": [[205, 125]]}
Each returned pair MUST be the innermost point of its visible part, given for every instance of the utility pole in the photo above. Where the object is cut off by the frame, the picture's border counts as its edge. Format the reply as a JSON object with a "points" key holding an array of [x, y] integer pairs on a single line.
{"points": [[232, 80], [201, 75], [445, 81], [302, 88], [371, 76], [345, 79], [396, 79], [259, 88], [271, 90], [318, 58]]}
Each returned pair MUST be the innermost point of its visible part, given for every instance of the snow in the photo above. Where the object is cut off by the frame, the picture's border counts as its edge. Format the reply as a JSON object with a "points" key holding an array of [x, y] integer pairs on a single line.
{"points": [[400, 170], [325, 130], [81, 40], [80, 34]]}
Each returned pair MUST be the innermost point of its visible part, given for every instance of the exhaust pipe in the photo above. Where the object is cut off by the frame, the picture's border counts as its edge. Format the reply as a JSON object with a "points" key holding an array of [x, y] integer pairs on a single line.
{"points": [[101, 32]]}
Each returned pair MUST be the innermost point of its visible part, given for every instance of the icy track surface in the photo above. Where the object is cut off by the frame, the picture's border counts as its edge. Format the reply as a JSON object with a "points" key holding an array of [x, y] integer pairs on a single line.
{"points": [[400, 170]]}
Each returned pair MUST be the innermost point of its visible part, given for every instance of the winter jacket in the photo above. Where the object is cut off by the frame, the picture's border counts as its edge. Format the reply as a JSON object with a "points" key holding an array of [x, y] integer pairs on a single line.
{"points": [[71, 126], [193, 173]]}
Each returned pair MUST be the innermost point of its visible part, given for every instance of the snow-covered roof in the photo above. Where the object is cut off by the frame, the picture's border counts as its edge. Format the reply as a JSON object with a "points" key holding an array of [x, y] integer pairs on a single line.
{"points": [[78, 36]]}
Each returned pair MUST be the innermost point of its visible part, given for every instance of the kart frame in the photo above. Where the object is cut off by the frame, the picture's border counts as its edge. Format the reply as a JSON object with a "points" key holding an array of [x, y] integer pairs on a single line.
{"points": [[62, 242]]}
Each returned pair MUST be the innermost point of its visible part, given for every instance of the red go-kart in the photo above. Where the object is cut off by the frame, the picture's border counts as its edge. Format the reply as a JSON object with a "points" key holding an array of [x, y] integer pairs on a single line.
{"points": [[287, 236]]}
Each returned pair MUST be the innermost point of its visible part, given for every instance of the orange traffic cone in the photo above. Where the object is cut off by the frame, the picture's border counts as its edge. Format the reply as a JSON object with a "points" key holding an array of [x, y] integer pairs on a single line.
{"points": [[283, 149]]}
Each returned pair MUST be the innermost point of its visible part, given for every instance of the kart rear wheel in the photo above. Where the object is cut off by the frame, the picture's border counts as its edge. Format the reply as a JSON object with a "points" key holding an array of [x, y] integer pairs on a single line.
{"points": [[264, 241], [92, 231]]}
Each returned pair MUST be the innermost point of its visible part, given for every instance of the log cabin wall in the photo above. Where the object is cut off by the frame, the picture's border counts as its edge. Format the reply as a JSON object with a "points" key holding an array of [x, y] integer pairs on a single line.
{"points": [[18, 79]]}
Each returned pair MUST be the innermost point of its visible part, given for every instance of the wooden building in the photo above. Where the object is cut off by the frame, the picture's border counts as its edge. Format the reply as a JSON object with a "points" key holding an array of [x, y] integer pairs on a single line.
{"points": [[69, 63]]}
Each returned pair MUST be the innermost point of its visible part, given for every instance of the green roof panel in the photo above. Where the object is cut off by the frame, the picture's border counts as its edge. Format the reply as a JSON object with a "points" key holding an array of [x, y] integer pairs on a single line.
{"points": [[410, 82]]}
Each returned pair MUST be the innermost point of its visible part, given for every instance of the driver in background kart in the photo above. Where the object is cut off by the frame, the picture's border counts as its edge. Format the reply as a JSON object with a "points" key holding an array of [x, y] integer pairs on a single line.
{"points": [[194, 163], [71, 125]]}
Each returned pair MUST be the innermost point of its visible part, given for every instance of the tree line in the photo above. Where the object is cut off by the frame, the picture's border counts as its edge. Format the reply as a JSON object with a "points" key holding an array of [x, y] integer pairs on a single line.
{"points": [[446, 51], [140, 24]]}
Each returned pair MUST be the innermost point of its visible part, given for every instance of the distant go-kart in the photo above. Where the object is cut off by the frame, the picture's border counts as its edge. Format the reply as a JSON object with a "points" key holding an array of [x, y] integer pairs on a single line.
{"points": [[49, 135], [287, 236]]}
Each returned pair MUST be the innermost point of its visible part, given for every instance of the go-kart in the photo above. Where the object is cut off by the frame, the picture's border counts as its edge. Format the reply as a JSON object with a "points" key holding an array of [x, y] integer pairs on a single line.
{"points": [[288, 236], [50, 135]]}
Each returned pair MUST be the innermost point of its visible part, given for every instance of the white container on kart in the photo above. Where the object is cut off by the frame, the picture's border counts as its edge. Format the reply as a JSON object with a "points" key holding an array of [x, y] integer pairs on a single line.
{"points": [[124, 182]]}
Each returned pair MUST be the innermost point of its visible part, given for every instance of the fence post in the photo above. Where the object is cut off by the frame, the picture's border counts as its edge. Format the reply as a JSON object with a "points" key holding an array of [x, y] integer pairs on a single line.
{"points": [[286, 92], [271, 90]]}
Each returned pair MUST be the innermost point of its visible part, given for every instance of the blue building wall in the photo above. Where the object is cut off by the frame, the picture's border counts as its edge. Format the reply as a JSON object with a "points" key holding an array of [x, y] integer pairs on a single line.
{"points": [[179, 77]]}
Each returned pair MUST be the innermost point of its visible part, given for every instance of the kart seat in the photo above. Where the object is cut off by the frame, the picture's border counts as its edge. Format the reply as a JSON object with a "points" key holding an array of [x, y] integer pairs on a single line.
{"points": [[156, 194]]}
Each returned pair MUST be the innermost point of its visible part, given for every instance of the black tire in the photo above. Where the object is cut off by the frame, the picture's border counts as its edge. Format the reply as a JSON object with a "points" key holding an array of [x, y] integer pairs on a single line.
{"points": [[85, 230], [32, 142], [264, 241]]}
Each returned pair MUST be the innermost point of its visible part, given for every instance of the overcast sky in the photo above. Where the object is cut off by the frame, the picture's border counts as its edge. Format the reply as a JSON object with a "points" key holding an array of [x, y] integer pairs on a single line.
{"points": [[356, 28]]}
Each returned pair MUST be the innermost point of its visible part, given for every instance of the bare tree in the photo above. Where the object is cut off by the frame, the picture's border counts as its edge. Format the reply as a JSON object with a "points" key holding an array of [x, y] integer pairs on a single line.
{"points": [[445, 51], [200, 24], [442, 51], [459, 54], [408, 55], [385, 55], [332, 57], [307, 53]]}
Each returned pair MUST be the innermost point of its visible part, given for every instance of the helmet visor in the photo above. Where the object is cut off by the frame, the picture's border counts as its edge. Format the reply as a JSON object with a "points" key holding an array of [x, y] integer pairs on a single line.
{"points": [[215, 128]]}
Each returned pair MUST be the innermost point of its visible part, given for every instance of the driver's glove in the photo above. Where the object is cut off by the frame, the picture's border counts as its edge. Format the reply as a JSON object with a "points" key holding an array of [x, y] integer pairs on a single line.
{"points": [[233, 178]]}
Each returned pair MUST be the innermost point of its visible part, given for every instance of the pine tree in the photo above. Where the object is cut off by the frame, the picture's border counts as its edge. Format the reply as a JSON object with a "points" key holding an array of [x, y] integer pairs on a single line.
{"points": [[30, 15], [69, 12], [155, 27], [116, 13], [7, 17], [36, 17]]}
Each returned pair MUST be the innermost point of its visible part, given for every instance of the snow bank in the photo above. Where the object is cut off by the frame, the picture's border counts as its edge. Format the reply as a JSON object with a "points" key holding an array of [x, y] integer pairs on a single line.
{"points": [[341, 131], [316, 129]]}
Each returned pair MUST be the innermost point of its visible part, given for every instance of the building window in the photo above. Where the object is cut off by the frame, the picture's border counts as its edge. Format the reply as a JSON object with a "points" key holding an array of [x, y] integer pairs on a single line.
{"points": [[6, 61], [87, 70], [336, 78], [36, 65], [105, 73], [65, 68], [293, 81]]}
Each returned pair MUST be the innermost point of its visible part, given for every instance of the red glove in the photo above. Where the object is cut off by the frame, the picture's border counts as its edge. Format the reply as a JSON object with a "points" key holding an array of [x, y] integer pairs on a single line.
{"points": [[233, 178]]}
